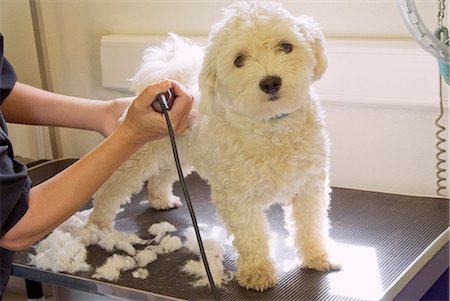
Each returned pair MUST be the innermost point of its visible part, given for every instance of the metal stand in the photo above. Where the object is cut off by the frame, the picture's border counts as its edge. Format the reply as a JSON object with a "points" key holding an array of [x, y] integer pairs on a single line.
{"points": [[34, 290]]}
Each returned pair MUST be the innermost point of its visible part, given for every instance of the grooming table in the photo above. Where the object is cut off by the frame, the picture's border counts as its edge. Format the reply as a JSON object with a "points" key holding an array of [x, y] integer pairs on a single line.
{"points": [[392, 247]]}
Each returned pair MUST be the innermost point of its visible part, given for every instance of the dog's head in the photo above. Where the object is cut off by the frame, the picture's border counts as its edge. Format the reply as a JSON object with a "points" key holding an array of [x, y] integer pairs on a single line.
{"points": [[261, 61]]}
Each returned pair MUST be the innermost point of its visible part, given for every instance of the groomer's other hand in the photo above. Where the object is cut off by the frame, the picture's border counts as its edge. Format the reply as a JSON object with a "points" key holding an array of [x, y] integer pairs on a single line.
{"points": [[114, 109], [143, 124]]}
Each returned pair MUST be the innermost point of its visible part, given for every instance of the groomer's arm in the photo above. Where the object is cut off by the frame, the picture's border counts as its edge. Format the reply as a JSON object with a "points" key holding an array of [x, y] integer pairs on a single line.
{"points": [[55, 200], [29, 105]]}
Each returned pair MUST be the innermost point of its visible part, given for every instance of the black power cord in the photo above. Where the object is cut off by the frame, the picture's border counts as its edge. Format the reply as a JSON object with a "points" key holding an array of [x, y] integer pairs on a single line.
{"points": [[162, 99]]}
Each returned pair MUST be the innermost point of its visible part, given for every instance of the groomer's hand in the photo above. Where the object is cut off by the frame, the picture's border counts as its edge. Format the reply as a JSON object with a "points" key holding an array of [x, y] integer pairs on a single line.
{"points": [[113, 110], [143, 124]]}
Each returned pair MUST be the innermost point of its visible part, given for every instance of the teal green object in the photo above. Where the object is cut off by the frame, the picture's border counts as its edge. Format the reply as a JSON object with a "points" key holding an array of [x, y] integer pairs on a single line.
{"points": [[442, 34]]}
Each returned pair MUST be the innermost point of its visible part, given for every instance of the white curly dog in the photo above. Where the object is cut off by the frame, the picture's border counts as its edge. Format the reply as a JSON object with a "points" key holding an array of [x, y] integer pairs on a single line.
{"points": [[259, 137]]}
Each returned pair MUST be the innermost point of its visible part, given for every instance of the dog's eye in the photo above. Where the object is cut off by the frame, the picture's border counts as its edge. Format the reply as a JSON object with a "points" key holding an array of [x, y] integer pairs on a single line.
{"points": [[239, 61], [285, 47]]}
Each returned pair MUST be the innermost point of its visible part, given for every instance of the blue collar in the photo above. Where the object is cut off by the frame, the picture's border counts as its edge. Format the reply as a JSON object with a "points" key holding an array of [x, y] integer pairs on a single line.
{"points": [[279, 116]]}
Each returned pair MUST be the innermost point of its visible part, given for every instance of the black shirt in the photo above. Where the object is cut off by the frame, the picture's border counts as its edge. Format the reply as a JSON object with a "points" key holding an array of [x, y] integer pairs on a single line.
{"points": [[14, 181]]}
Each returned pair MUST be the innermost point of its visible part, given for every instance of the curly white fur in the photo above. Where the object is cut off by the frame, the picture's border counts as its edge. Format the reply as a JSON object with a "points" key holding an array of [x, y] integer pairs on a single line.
{"points": [[254, 147], [214, 254]]}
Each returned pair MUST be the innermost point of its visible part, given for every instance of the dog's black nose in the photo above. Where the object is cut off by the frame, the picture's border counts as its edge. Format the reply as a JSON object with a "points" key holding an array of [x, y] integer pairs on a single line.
{"points": [[270, 84]]}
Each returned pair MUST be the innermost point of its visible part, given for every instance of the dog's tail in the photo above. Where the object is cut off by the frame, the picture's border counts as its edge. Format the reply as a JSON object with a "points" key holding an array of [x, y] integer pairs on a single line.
{"points": [[177, 58]]}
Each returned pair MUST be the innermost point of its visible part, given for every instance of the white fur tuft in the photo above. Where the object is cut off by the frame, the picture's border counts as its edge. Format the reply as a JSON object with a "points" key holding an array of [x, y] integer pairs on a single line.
{"points": [[160, 229], [61, 252], [113, 266], [214, 254], [177, 58]]}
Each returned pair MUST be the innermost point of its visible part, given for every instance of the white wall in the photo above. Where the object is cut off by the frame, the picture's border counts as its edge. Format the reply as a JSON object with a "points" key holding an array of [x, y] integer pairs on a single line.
{"points": [[369, 149], [381, 100]]}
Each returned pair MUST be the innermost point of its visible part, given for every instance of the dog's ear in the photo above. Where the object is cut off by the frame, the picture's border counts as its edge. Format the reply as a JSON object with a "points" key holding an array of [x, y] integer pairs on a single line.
{"points": [[313, 34], [208, 85]]}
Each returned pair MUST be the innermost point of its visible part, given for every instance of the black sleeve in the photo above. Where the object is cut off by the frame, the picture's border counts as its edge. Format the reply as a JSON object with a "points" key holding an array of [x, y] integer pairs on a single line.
{"points": [[14, 181], [7, 74]]}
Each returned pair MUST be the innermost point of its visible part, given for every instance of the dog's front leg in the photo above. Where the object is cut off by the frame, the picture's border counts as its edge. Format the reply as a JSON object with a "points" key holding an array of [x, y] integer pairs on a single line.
{"points": [[160, 195], [249, 226], [307, 221]]}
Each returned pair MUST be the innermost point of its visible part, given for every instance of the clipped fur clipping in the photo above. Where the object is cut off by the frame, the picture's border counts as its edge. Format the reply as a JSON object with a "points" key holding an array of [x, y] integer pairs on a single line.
{"points": [[214, 253]]}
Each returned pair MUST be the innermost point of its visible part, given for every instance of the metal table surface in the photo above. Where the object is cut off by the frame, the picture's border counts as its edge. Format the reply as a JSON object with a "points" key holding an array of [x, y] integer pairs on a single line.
{"points": [[382, 239]]}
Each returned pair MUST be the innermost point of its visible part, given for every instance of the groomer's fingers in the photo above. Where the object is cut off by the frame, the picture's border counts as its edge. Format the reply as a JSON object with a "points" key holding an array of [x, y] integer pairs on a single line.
{"points": [[148, 95], [178, 88], [180, 122], [181, 108]]}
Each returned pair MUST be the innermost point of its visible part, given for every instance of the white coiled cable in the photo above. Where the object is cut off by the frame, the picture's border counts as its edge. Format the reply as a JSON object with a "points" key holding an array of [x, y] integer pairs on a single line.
{"points": [[441, 170], [439, 48]]}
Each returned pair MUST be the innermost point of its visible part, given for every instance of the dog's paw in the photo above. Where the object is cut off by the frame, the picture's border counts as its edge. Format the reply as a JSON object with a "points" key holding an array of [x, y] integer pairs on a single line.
{"points": [[100, 222], [259, 277], [165, 204], [323, 264]]}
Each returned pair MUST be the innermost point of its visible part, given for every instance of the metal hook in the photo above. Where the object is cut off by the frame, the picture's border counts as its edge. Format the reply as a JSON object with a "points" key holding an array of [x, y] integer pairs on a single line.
{"points": [[442, 35]]}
